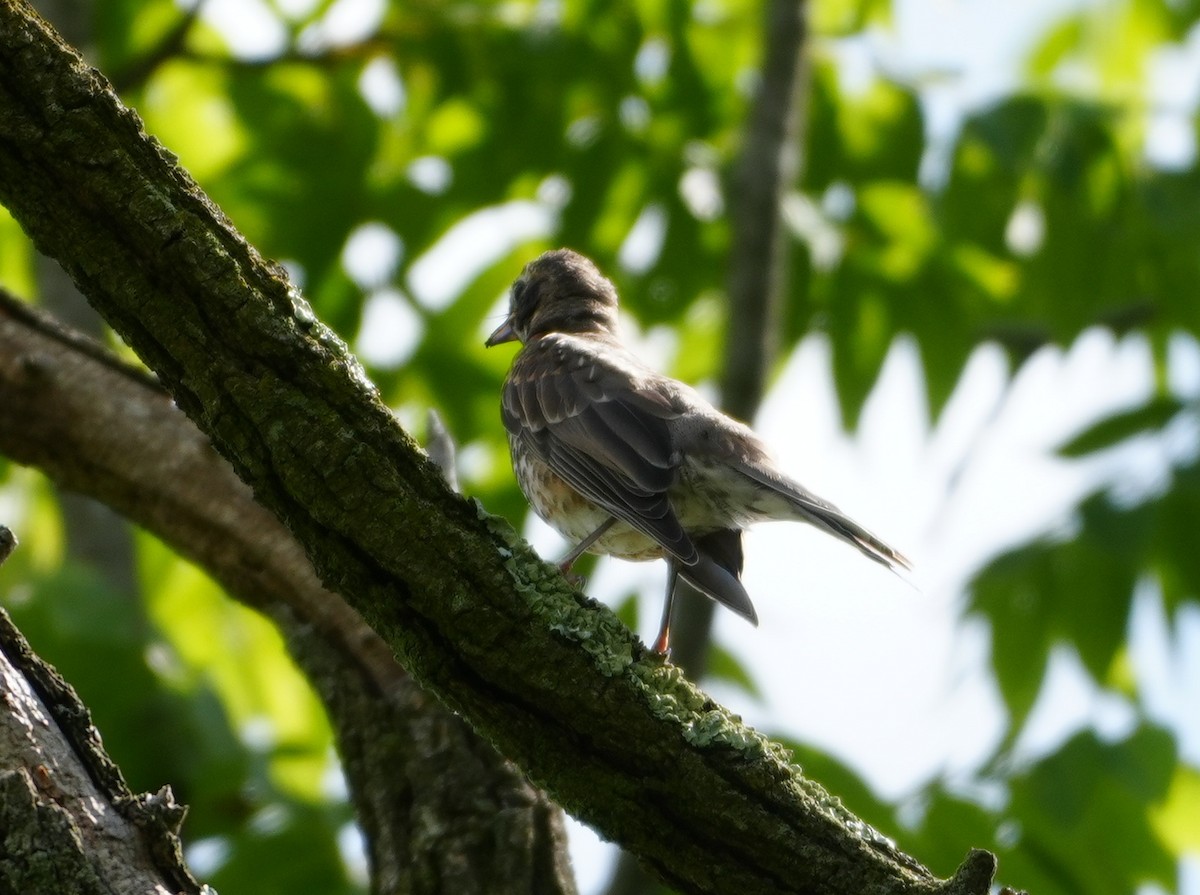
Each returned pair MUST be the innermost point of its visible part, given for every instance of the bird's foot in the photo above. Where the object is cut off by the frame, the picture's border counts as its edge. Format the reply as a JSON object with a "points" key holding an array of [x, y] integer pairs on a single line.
{"points": [[577, 580], [662, 646]]}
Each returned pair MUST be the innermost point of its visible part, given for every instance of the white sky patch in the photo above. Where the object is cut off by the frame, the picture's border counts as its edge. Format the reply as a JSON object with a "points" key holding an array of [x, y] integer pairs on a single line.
{"points": [[1183, 365], [652, 61], [856, 64], [249, 27], [258, 733], [346, 22], [382, 87], [1168, 667], [430, 174], [206, 856], [554, 191], [296, 271], [1026, 229], [1173, 74], [391, 330], [838, 201], [700, 190], [591, 857], [372, 254], [476, 461], [1171, 141], [334, 785], [634, 113], [1070, 701], [657, 346], [353, 851], [808, 223], [644, 241], [471, 245]]}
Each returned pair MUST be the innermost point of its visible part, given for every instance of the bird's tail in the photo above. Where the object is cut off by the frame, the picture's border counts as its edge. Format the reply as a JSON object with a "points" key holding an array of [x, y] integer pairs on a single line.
{"points": [[718, 572], [834, 521], [821, 513]]}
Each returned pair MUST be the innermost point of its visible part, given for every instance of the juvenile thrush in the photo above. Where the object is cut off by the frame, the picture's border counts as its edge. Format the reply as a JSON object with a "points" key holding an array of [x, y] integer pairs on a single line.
{"points": [[624, 461]]}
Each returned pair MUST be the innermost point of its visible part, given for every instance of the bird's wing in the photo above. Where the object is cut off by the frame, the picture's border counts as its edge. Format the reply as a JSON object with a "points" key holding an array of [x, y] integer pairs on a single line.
{"points": [[598, 423]]}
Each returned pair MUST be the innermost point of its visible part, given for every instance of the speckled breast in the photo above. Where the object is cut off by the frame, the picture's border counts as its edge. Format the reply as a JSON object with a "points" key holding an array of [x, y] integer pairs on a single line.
{"points": [[574, 516]]}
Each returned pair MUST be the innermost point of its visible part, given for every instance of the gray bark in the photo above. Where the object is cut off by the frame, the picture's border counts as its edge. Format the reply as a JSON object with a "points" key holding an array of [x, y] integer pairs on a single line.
{"points": [[68, 822]]}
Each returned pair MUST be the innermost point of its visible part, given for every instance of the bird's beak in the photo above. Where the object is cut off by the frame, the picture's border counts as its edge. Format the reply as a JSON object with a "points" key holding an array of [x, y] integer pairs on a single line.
{"points": [[504, 333]]}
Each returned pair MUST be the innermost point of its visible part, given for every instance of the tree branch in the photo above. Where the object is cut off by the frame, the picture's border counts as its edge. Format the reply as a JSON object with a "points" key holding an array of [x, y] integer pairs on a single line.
{"points": [[554, 680], [767, 167], [433, 800], [70, 823]]}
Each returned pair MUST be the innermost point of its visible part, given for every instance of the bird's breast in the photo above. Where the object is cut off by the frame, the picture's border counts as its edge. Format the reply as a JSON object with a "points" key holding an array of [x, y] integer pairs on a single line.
{"points": [[574, 516]]}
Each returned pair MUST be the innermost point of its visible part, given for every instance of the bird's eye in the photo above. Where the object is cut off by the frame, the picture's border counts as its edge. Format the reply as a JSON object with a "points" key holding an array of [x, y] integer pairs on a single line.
{"points": [[518, 289], [524, 301]]}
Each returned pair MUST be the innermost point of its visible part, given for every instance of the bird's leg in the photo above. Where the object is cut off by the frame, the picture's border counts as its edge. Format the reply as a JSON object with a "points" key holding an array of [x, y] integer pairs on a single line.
{"points": [[569, 559], [663, 643]]}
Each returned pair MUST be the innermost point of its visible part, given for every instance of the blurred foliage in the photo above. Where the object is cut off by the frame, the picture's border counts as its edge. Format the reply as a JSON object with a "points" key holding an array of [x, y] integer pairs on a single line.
{"points": [[466, 136]]}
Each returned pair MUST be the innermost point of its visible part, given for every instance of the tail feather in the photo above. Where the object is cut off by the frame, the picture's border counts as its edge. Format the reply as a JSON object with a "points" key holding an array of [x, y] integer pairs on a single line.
{"points": [[841, 525], [826, 516], [717, 573]]}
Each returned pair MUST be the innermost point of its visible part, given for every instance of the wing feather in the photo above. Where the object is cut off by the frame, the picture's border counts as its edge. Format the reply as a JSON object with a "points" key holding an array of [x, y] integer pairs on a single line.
{"points": [[582, 414]]}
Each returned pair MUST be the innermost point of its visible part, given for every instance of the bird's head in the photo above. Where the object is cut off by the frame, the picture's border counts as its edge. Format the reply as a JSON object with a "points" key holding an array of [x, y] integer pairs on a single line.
{"points": [[558, 292]]}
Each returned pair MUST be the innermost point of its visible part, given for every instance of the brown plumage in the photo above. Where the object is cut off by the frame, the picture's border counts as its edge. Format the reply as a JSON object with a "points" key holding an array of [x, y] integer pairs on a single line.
{"points": [[624, 461]]}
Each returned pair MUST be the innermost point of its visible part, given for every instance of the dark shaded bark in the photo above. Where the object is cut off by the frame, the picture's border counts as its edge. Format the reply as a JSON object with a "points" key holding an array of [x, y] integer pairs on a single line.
{"points": [[554, 680], [439, 808]]}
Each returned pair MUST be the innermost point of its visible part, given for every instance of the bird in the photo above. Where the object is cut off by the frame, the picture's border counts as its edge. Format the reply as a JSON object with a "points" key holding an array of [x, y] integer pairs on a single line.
{"points": [[624, 461]]}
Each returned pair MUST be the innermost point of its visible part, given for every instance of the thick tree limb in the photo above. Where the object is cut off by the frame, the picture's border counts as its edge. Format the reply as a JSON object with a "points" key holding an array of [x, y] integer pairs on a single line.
{"points": [[440, 809], [68, 822], [554, 680]]}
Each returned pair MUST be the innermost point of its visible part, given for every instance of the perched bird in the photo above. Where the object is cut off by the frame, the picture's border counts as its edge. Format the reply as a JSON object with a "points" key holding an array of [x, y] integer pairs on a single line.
{"points": [[624, 461]]}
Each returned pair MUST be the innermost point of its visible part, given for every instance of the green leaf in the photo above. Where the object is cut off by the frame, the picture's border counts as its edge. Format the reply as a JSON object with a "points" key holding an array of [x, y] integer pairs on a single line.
{"points": [[1056, 46], [1078, 592], [223, 645], [1123, 425], [1176, 818], [724, 666], [1083, 819]]}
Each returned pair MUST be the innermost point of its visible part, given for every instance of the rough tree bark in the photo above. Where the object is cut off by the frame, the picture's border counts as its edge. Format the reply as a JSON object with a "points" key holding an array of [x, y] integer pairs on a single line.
{"points": [[68, 822], [614, 734], [439, 808]]}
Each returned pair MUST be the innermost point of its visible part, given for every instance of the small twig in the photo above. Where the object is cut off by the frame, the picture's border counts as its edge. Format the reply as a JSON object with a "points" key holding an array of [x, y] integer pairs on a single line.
{"points": [[441, 449]]}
